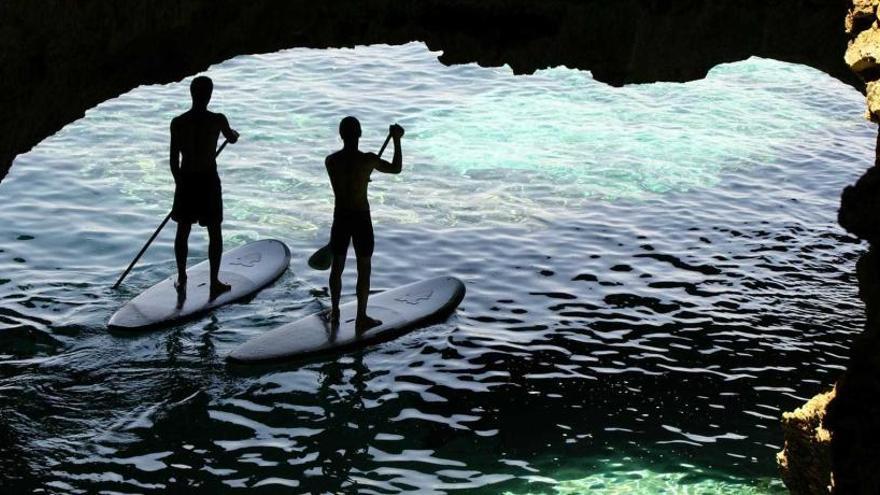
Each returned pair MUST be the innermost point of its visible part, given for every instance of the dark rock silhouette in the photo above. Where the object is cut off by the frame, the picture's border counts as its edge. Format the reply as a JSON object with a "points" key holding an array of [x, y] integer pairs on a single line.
{"points": [[853, 416], [860, 204]]}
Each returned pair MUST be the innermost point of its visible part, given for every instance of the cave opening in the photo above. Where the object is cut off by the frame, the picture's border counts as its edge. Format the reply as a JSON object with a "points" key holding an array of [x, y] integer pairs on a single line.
{"points": [[629, 251]]}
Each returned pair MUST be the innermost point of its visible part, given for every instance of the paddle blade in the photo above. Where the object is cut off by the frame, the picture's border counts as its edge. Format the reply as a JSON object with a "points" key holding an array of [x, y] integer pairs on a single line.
{"points": [[322, 259]]}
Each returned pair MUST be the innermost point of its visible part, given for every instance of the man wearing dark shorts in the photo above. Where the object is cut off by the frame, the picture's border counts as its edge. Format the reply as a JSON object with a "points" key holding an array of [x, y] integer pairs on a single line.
{"points": [[349, 170], [198, 196]]}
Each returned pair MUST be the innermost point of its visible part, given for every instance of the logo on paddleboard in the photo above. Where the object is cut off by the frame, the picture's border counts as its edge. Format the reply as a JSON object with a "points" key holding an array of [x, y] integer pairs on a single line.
{"points": [[247, 260], [415, 297]]}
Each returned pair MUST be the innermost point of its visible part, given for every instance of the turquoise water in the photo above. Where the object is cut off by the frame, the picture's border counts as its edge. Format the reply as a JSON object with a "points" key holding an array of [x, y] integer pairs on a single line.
{"points": [[654, 273]]}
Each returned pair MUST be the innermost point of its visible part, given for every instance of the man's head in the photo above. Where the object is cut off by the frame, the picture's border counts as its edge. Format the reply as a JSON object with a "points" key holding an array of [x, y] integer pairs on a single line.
{"points": [[201, 88], [350, 130]]}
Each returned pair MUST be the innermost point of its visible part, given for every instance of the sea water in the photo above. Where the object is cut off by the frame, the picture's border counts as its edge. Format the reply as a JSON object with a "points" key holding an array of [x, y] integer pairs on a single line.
{"points": [[654, 275]]}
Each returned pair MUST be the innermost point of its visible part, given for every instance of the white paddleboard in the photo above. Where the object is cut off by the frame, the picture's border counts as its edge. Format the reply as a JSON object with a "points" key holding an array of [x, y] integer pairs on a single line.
{"points": [[246, 268], [400, 310]]}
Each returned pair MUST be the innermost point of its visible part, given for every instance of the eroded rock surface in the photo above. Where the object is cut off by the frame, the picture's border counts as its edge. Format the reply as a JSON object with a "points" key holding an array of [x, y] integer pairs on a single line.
{"points": [[805, 462]]}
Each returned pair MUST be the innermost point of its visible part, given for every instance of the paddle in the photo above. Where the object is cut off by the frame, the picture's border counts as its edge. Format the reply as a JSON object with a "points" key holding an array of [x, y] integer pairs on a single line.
{"points": [[323, 258], [156, 233]]}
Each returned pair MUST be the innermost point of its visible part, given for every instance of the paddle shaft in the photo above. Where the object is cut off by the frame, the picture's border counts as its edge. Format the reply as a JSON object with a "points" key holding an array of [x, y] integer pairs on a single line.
{"points": [[161, 226], [384, 145]]}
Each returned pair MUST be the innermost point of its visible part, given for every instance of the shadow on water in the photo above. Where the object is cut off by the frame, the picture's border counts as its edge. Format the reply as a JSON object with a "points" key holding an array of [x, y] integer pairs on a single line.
{"points": [[324, 457]]}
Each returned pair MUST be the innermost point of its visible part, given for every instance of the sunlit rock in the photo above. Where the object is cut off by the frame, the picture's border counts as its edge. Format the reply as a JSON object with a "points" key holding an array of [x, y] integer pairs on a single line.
{"points": [[864, 52], [862, 12], [805, 461], [872, 94]]}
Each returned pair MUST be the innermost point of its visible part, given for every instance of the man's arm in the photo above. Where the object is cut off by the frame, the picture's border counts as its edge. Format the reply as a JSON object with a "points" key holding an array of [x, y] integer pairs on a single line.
{"points": [[229, 133], [174, 158], [328, 164], [396, 164]]}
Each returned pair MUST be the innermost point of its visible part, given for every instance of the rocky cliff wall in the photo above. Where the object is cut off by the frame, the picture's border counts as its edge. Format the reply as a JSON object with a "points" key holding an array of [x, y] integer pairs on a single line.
{"points": [[853, 416], [832, 443]]}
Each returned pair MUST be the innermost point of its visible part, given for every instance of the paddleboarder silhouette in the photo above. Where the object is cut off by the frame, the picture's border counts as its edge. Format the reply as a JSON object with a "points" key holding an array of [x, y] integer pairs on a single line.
{"points": [[349, 170], [198, 195]]}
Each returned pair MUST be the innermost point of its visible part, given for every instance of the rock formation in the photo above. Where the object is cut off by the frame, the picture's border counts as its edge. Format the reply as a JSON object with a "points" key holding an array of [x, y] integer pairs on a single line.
{"points": [[806, 461], [59, 58], [854, 415], [832, 443]]}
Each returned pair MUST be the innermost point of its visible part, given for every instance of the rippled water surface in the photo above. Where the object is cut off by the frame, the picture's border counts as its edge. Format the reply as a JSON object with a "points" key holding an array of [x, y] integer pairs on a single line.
{"points": [[654, 274]]}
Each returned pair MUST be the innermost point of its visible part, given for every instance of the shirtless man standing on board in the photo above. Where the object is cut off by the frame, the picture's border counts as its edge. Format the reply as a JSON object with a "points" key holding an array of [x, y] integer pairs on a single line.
{"points": [[349, 170], [198, 196]]}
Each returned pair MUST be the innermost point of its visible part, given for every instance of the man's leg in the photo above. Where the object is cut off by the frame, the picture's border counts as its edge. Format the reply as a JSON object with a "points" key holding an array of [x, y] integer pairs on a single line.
{"points": [[336, 270], [181, 241], [363, 285], [340, 236], [364, 322], [215, 251], [363, 247]]}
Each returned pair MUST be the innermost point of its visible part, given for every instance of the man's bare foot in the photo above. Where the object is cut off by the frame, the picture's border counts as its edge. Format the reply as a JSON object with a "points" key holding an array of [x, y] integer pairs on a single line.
{"points": [[218, 288], [180, 287], [365, 323], [330, 316]]}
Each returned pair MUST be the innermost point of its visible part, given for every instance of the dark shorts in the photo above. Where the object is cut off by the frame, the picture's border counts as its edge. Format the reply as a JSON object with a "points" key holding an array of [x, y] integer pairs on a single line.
{"points": [[198, 198], [354, 226]]}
